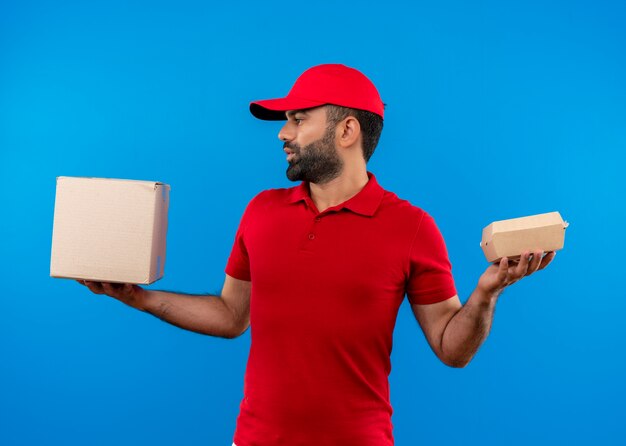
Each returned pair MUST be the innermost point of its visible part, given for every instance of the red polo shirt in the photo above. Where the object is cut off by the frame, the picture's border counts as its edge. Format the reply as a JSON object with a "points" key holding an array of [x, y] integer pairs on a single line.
{"points": [[326, 288]]}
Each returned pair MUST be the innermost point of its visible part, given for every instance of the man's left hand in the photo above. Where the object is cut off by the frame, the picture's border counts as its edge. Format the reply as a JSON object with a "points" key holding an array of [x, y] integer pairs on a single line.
{"points": [[504, 273]]}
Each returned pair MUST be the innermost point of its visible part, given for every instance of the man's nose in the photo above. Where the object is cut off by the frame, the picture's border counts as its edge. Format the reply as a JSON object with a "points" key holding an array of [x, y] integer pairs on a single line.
{"points": [[285, 134]]}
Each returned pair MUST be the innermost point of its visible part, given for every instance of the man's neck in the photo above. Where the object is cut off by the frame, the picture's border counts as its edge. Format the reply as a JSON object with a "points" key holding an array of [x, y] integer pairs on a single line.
{"points": [[341, 189]]}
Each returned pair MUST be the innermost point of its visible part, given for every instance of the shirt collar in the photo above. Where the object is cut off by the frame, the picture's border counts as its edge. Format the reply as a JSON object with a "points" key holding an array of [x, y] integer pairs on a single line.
{"points": [[365, 202]]}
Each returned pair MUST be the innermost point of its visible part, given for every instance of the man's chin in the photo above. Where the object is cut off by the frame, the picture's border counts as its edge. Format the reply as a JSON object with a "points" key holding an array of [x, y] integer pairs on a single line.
{"points": [[293, 173]]}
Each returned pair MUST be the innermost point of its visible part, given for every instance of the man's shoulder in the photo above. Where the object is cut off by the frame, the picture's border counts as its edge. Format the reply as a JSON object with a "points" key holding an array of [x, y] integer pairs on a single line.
{"points": [[392, 203], [277, 193], [273, 196], [405, 217]]}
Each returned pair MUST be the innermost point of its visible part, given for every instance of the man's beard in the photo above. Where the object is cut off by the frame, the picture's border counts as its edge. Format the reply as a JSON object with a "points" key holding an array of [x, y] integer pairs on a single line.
{"points": [[317, 162]]}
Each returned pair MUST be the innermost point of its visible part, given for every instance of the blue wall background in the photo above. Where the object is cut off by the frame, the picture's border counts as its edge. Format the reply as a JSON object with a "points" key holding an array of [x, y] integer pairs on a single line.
{"points": [[495, 110]]}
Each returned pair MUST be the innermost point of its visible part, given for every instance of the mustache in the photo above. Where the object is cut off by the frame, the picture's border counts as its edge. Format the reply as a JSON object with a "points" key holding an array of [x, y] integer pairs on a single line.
{"points": [[293, 147]]}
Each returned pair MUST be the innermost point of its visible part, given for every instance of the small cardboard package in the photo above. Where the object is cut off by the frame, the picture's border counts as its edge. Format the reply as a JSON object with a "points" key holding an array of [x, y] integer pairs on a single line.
{"points": [[109, 230], [510, 238]]}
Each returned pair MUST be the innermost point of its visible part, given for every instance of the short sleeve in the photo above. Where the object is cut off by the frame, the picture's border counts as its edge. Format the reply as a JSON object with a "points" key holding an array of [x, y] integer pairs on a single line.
{"points": [[430, 271], [238, 265]]}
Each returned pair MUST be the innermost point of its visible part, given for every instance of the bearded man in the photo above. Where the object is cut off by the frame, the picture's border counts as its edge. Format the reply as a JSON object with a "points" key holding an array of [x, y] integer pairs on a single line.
{"points": [[319, 270]]}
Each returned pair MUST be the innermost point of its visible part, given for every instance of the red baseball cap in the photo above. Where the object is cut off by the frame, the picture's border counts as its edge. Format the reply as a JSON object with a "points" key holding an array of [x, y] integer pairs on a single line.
{"points": [[334, 84]]}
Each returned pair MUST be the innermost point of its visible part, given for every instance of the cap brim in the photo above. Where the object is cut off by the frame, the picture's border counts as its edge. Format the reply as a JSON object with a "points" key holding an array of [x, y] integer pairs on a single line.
{"points": [[274, 109]]}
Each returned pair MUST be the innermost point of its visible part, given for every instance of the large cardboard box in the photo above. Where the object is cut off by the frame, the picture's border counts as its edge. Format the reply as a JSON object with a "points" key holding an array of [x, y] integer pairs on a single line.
{"points": [[510, 238], [109, 230]]}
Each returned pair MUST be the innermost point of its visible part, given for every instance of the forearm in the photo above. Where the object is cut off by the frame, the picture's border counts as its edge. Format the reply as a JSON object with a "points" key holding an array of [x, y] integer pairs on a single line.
{"points": [[468, 328], [203, 314]]}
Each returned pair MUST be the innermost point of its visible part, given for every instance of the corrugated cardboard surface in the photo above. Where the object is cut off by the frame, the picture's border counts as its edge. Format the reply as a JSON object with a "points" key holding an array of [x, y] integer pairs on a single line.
{"points": [[109, 230], [510, 238]]}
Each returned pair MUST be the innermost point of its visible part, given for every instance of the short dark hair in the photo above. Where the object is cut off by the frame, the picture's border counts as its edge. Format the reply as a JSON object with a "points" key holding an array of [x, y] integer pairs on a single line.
{"points": [[371, 125]]}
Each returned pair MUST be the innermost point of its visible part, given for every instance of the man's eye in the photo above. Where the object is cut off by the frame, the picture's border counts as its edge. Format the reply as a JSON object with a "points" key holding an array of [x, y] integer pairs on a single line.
{"points": [[298, 120]]}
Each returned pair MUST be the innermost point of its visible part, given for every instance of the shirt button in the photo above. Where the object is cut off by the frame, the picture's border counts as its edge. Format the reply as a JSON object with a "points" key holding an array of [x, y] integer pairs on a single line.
{"points": [[317, 219], [311, 236]]}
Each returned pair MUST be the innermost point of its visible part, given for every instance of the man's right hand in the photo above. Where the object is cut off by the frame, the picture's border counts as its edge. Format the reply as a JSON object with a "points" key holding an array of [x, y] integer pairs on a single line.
{"points": [[226, 315], [130, 294]]}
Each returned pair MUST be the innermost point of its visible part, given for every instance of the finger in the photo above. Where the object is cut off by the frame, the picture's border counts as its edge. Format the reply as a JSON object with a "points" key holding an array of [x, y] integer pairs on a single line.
{"points": [[547, 259], [119, 289], [111, 289], [503, 270], [94, 287], [535, 262], [522, 267]]}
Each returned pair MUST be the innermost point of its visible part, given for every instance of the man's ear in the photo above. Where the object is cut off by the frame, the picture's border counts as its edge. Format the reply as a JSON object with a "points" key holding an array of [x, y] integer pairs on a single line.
{"points": [[349, 131]]}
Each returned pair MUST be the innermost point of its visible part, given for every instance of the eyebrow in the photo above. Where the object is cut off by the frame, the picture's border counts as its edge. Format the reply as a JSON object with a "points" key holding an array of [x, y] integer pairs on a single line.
{"points": [[291, 113]]}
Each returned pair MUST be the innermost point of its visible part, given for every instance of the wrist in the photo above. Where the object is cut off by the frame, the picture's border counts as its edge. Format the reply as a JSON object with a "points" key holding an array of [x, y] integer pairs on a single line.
{"points": [[140, 298], [487, 296]]}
